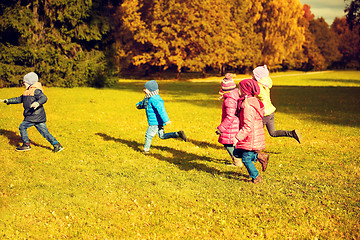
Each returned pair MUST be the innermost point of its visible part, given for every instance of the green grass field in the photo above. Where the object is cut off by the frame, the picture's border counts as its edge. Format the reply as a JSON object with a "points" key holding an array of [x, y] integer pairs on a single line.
{"points": [[103, 187]]}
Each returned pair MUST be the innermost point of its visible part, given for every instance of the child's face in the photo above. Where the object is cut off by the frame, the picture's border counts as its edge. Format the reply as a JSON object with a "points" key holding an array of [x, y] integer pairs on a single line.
{"points": [[146, 91]]}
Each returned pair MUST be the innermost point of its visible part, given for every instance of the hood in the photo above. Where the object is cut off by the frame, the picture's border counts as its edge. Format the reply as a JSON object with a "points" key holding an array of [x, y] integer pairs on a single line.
{"points": [[257, 105], [37, 85], [266, 81]]}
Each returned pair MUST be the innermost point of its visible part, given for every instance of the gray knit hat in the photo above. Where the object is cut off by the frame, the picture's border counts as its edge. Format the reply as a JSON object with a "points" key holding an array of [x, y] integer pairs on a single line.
{"points": [[151, 85], [31, 78]]}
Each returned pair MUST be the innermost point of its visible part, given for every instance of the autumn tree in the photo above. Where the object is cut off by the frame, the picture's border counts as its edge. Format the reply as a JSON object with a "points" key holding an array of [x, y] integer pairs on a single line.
{"points": [[310, 58], [326, 40], [186, 34], [352, 11], [278, 22], [349, 44]]}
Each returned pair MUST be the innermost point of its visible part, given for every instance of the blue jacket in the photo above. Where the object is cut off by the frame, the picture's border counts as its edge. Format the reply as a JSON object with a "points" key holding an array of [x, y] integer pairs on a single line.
{"points": [[155, 110]]}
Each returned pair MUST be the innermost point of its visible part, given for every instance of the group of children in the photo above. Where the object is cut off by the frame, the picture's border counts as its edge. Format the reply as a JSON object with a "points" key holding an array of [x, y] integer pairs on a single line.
{"points": [[245, 112]]}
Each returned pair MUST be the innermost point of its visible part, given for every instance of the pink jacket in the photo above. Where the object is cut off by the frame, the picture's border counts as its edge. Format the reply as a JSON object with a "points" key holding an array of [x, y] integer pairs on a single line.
{"points": [[229, 126], [251, 135]]}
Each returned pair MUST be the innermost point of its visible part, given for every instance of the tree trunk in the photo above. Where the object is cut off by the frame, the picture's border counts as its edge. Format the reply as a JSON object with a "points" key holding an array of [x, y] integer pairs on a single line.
{"points": [[178, 75]]}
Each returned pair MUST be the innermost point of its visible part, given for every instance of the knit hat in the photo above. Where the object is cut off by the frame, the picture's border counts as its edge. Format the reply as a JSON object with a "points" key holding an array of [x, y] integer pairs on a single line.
{"points": [[260, 72], [228, 84], [31, 78], [249, 87], [151, 85]]}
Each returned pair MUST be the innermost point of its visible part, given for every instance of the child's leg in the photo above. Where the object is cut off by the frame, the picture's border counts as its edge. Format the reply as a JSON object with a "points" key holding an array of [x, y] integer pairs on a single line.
{"points": [[236, 161], [269, 121], [248, 157], [230, 148], [164, 135], [43, 130], [23, 130], [150, 133]]}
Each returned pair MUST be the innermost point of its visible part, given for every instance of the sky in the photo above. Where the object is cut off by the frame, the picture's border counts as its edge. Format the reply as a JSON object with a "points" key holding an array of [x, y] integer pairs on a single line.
{"points": [[328, 9]]}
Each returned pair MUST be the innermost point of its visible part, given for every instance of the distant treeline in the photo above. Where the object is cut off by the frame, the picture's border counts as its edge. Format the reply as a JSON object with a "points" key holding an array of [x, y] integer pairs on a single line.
{"points": [[72, 43]]}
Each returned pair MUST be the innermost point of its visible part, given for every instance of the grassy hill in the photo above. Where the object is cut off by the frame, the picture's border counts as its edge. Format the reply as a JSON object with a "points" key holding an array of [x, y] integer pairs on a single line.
{"points": [[103, 187]]}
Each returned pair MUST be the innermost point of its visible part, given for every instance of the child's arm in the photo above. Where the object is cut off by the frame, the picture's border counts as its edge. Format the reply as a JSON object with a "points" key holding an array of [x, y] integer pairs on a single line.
{"points": [[142, 104], [15, 100], [230, 111], [40, 99], [249, 119]]}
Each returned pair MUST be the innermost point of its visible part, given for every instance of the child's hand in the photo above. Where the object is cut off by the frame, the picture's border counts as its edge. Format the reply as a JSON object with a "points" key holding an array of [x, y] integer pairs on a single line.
{"points": [[235, 141], [218, 132], [34, 105]]}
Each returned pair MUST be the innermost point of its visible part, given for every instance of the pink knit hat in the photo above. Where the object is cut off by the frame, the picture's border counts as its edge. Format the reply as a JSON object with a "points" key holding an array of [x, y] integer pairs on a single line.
{"points": [[260, 72], [228, 84], [249, 87]]}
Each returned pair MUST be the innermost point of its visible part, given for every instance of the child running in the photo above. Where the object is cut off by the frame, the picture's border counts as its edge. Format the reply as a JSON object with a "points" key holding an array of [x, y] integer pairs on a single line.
{"points": [[33, 100], [156, 115], [229, 126], [250, 137], [261, 75]]}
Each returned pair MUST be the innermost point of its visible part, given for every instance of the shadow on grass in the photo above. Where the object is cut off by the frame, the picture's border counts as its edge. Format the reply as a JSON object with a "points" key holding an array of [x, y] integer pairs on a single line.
{"points": [[15, 139], [183, 160], [205, 144]]}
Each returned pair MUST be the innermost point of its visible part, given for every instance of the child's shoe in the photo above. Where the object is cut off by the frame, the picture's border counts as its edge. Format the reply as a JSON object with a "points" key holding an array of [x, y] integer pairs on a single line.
{"points": [[182, 135], [263, 158], [297, 135], [58, 147], [258, 179], [25, 147]]}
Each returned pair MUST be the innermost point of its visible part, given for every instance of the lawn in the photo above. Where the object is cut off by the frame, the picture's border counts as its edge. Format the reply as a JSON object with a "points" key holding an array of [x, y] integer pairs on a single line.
{"points": [[103, 187]]}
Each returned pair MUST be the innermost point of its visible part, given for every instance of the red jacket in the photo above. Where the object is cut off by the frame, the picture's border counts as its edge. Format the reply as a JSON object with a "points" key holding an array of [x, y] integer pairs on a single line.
{"points": [[229, 126], [251, 135]]}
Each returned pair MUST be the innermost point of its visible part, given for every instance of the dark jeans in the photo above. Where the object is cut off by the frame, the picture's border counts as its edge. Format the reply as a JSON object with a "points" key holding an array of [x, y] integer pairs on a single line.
{"points": [[41, 127], [269, 122]]}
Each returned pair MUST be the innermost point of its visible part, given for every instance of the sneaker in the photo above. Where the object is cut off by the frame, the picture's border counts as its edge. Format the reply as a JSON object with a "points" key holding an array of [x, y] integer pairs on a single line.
{"points": [[297, 135], [146, 152], [25, 147], [258, 179], [182, 135], [58, 147]]}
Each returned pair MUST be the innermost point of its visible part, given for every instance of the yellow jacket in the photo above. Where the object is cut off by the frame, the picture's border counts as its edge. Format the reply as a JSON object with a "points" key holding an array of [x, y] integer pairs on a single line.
{"points": [[265, 85]]}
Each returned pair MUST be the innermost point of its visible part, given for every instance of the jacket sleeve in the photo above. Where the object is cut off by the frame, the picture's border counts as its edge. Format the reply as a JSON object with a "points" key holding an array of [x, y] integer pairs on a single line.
{"points": [[230, 112], [160, 108], [142, 104], [15, 100], [248, 127], [40, 97]]}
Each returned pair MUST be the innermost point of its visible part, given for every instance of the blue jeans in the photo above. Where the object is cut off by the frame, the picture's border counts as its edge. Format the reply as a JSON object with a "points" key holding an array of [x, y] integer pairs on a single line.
{"points": [[151, 132], [41, 127], [230, 148], [248, 158]]}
